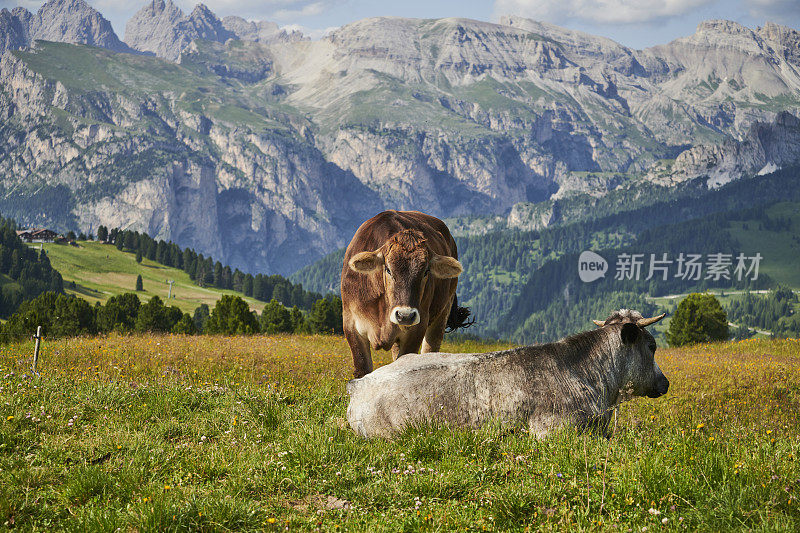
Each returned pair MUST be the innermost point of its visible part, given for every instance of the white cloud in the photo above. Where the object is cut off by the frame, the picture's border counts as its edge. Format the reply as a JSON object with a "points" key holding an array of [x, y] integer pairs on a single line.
{"points": [[602, 11], [300, 11], [264, 9], [773, 8], [30, 5]]}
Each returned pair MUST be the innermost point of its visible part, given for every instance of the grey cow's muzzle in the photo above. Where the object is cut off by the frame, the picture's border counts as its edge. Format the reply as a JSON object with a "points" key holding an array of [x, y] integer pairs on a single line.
{"points": [[661, 388]]}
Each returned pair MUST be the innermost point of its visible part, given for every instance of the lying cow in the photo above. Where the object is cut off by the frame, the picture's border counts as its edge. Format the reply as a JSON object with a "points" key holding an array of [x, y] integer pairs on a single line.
{"points": [[574, 381], [399, 282]]}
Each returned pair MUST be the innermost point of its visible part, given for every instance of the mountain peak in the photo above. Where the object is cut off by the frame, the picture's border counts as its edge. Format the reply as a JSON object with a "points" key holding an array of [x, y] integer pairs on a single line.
{"points": [[160, 6], [162, 9], [207, 25], [262, 31], [160, 28], [163, 29], [202, 9], [723, 26], [70, 21]]}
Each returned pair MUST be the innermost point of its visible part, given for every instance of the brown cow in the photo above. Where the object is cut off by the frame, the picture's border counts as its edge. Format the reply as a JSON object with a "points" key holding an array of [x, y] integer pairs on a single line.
{"points": [[399, 282]]}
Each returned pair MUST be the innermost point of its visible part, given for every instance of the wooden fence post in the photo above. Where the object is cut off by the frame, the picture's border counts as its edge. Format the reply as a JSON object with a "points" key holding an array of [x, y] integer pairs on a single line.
{"points": [[38, 338]]}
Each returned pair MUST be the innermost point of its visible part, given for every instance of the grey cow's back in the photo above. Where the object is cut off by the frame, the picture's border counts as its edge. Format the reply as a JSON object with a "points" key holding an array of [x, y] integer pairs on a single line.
{"points": [[457, 389]]}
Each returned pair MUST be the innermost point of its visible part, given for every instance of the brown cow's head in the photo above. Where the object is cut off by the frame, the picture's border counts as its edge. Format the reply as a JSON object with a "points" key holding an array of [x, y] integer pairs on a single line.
{"points": [[643, 371], [406, 264]]}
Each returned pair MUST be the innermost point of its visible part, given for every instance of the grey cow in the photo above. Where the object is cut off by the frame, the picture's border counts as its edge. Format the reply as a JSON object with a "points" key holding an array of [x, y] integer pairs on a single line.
{"points": [[574, 381]]}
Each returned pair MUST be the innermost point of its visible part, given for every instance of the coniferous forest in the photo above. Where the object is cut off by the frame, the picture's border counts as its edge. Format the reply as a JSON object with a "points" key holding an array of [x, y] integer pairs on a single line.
{"points": [[206, 272], [24, 272]]}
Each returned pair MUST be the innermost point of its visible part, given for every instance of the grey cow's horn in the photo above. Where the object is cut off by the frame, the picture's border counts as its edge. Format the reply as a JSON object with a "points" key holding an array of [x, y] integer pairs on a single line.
{"points": [[599, 323], [647, 321]]}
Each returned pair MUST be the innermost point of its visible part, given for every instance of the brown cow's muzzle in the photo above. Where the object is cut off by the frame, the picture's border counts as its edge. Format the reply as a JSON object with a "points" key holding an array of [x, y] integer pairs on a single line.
{"points": [[404, 316]]}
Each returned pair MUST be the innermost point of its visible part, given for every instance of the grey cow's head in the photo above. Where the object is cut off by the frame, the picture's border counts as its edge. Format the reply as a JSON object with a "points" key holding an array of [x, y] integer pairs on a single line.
{"points": [[642, 370], [406, 264]]}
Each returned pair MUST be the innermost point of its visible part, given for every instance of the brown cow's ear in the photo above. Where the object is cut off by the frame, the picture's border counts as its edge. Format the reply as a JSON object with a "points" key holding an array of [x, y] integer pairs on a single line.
{"points": [[443, 266], [630, 333], [366, 262]]}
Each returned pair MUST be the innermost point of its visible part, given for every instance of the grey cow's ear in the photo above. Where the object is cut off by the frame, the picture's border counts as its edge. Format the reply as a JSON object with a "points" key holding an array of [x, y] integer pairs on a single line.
{"points": [[444, 266], [366, 262], [630, 333]]}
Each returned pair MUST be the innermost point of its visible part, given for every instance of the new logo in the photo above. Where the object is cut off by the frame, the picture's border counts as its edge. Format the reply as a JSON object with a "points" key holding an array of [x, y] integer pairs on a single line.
{"points": [[591, 266]]}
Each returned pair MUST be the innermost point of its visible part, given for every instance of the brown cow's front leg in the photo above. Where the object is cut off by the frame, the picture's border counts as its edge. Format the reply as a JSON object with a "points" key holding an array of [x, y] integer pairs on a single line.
{"points": [[362, 357], [435, 333]]}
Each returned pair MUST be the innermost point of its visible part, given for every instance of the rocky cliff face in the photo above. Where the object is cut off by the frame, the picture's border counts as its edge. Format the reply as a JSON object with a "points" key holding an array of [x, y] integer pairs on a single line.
{"points": [[162, 28], [767, 147], [261, 31], [67, 21], [259, 198], [15, 27], [74, 21], [268, 152]]}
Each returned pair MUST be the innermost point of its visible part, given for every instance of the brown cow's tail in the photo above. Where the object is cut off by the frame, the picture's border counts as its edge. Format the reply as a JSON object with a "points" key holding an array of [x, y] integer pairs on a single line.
{"points": [[459, 317]]}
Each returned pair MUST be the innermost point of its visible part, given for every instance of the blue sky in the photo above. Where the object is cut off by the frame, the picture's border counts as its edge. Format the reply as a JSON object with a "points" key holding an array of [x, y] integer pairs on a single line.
{"points": [[636, 23]]}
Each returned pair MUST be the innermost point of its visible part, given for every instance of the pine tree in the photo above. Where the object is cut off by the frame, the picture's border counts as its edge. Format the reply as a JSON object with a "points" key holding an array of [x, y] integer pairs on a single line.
{"points": [[276, 318], [699, 318], [139, 283], [298, 320], [232, 316]]}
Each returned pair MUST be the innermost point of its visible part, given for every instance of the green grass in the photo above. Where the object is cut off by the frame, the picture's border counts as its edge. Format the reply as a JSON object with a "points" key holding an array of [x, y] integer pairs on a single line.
{"points": [[100, 271], [780, 250], [174, 433], [89, 68], [195, 88]]}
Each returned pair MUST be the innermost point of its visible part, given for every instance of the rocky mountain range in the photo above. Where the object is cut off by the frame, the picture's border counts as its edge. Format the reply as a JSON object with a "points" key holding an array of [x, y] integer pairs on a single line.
{"points": [[163, 29], [266, 150]]}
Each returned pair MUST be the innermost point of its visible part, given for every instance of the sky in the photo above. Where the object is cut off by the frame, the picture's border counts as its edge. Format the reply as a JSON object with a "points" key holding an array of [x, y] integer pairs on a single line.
{"points": [[634, 23]]}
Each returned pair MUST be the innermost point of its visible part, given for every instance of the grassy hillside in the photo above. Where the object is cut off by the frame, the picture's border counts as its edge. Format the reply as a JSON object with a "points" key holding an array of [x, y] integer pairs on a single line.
{"points": [[174, 433], [780, 248], [100, 271]]}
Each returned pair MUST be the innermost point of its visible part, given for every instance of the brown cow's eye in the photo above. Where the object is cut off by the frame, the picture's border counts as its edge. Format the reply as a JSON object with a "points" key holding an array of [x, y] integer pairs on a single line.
{"points": [[388, 271], [428, 271]]}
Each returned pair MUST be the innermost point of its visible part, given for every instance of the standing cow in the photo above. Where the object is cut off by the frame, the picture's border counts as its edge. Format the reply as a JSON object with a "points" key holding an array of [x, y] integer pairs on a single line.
{"points": [[576, 381], [399, 282]]}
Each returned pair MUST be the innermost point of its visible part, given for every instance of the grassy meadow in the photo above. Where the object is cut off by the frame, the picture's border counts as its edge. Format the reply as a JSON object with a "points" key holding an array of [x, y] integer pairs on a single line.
{"points": [[175, 433], [95, 272]]}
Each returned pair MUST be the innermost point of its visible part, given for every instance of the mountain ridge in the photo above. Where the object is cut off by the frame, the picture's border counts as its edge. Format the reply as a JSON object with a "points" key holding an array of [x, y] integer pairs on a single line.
{"points": [[163, 29], [268, 154], [71, 21]]}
